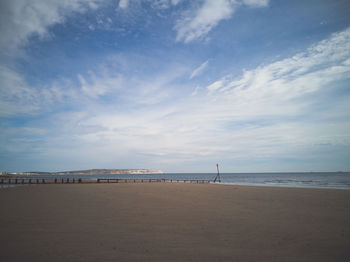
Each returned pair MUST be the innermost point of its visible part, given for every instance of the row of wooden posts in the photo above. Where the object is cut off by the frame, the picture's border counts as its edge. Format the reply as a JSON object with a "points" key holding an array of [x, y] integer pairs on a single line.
{"points": [[118, 180], [85, 181], [39, 181]]}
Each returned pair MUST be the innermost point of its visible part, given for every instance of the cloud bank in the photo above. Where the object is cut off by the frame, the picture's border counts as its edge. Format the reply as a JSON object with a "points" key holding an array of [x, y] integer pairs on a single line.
{"points": [[122, 108], [289, 108]]}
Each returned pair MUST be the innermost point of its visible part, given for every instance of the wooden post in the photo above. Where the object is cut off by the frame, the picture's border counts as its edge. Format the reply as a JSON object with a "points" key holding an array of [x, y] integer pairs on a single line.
{"points": [[218, 174]]}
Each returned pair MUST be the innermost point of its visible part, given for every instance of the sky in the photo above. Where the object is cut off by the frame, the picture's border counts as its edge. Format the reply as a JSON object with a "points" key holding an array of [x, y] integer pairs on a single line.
{"points": [[176, 85]]}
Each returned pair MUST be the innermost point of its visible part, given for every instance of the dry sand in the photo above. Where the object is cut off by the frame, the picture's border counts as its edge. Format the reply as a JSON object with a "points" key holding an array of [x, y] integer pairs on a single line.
{"points": [[173, 222]]}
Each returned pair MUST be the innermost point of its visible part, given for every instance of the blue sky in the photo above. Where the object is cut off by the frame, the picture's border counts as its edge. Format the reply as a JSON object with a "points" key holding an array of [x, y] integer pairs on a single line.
{"points": [[255, 85]]}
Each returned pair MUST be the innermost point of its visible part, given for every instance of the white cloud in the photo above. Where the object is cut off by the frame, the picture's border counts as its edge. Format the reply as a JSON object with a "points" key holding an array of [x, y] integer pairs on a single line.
{"points": [[17, 97], [160, 4], [204, 19], [97, 86], [214, 86], [123, 4], [21, 19], [199, 69], [175, 2], [303, 73], [197, 24], [157, 4], [256, 3]]}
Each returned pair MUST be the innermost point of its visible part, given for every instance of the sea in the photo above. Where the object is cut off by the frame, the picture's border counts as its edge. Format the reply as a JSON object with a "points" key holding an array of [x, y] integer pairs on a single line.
{"points": [[328, 180]]}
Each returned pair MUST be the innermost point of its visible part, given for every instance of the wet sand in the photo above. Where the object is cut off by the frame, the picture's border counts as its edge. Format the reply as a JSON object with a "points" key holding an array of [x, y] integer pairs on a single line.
{"points": [[173, 222]]}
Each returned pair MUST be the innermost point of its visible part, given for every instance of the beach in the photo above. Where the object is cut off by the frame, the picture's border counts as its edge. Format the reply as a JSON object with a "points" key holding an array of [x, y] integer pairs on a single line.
{"points": [[173, 222]]}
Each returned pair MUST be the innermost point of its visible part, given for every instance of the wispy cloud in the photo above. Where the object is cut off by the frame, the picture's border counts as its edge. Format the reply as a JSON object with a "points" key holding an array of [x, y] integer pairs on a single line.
{"points": [[97, 87], [15, 96], [197, 23], [175, 2], [21, 19], [18, 97], [199, 70], [123, 3], [214, 86], [256, 3], [155, 4], [303, 73]]}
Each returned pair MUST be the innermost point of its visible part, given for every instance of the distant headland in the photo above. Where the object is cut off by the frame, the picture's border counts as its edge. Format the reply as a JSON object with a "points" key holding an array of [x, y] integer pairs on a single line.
{"points": [[90, 172]]}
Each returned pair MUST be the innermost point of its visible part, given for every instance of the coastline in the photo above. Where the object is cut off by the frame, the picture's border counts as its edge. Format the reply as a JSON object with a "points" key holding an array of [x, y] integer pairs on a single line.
{"points": [[325, 180], [173, 222], [284, 186], [134, 171]]}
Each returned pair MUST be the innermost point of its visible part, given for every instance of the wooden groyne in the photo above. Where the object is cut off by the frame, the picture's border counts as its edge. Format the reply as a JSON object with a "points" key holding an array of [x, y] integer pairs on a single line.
{"points": [[118, 180], [27, 181]]}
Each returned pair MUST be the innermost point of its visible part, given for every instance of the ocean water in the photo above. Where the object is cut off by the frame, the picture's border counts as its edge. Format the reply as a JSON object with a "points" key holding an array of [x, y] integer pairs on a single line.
{"points": [[336, 180]]}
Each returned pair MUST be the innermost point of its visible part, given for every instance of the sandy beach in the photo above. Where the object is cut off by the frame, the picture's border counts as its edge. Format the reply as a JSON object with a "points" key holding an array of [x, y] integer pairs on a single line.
{"points": [[173, 222]]}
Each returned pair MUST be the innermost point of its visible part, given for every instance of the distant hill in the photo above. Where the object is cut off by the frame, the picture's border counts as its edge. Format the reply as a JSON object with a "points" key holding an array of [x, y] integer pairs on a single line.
{"points": [[110, 172], [93, 172]]}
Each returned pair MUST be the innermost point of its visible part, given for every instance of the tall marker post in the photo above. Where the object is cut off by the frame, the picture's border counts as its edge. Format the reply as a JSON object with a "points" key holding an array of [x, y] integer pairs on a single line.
{"points": [[217, 175]]}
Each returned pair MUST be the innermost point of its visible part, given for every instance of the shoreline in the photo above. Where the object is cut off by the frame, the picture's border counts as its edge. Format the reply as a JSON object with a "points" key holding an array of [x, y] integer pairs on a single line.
{"points": [[173, 222], [5, 185], [326, 180], [284, 186]]}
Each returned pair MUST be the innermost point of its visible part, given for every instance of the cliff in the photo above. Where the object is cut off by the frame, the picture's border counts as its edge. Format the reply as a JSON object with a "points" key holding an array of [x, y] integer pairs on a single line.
{"points": [[93, 172]]}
